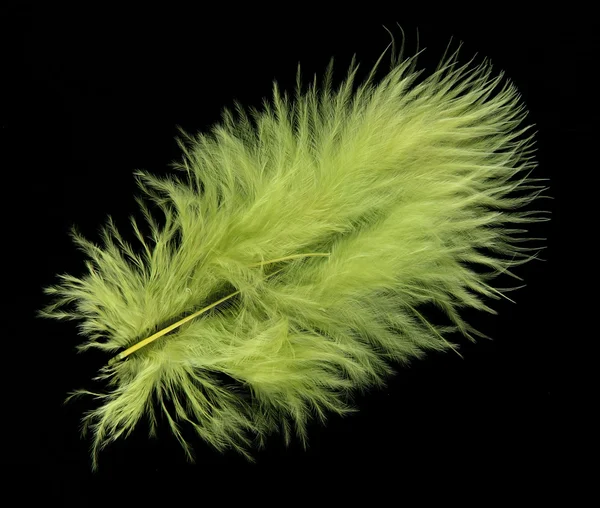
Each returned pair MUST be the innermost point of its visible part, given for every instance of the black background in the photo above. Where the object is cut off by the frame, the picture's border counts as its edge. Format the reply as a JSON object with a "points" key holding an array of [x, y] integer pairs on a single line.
{"points": [[91, 95]]}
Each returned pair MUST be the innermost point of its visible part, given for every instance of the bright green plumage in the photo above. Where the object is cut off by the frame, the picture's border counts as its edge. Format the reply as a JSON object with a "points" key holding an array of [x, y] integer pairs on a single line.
{"points": [[399, 188]]}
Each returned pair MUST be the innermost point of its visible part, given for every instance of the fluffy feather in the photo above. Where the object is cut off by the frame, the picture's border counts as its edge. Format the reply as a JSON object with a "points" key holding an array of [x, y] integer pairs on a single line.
{"points": [[334, 215]]}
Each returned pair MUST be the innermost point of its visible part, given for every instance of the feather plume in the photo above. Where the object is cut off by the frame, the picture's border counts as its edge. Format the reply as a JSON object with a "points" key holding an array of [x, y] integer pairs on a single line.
{"points": [[295, 248]]}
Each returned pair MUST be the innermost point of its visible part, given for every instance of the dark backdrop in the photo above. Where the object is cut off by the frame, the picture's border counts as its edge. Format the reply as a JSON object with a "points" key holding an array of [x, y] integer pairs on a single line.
{"points": [[91, 95]]}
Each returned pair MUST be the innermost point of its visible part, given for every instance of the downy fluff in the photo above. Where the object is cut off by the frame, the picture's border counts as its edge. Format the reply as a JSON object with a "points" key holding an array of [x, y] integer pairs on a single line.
{"points": [[332, 216]]}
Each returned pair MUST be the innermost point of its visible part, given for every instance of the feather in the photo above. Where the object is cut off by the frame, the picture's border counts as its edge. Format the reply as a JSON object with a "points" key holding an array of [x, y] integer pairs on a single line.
{"points": [[295, 248]]}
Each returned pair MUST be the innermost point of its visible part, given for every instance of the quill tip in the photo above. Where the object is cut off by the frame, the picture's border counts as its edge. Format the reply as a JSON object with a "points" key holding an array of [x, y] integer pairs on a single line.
{"points": [[114, 359]]}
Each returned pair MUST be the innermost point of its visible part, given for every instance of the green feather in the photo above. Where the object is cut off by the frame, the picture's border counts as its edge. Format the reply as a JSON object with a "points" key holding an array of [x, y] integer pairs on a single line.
{"points": [[324, 222]]}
